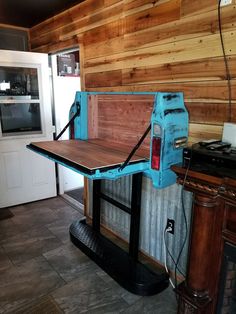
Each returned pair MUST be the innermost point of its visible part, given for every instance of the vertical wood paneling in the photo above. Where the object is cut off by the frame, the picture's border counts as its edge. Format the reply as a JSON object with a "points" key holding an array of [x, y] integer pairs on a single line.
{"points": [[181, 51], [193, 7], [93, 116], [104, 33], [120, 118], [210, 69], [156, 15], [103, 79]]}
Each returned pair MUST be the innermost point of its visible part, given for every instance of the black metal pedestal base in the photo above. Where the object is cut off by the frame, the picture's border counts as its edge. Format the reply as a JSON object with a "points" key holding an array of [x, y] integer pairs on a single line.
{"points": [[130, 274]]}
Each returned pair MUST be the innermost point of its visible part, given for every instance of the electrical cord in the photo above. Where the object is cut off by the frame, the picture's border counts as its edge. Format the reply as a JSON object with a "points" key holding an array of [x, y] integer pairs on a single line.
{"points": [[228, 76], [166, 250], [185, 218], [165, 257], [169, 253]]}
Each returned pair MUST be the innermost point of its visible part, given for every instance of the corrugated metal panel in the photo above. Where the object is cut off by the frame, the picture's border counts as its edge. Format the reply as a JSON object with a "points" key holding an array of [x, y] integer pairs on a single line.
{"points": [[157, 206]]}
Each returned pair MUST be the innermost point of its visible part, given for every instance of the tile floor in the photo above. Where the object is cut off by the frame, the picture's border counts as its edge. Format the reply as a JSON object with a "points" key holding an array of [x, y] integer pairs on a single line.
{"points": [[37, 259]]}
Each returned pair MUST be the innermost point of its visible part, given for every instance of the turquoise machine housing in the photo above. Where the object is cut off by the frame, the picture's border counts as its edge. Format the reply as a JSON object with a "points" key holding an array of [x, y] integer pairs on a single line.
{"points": [[169, 124]]}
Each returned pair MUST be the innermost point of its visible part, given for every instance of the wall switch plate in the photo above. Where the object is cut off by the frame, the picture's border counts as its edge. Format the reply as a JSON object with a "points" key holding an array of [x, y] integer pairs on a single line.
{"points": [[225, 2], [229, 133]]}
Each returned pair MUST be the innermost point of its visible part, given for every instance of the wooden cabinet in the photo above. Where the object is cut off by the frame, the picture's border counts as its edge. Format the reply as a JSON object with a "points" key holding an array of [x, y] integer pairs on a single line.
{"points": [[213, 223], [229, 227]]}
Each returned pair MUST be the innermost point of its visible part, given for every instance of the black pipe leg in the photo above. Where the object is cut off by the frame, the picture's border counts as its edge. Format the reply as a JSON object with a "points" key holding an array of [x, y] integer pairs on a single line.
{"points": [[96, 204], [135, 215]]}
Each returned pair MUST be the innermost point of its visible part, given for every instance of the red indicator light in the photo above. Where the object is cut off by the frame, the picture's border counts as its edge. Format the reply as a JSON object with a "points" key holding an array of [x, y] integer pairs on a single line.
{"points": [[156, 152]]}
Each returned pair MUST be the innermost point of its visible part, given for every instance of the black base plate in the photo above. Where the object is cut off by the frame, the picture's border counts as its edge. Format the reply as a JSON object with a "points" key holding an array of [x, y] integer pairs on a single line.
{"points": [[130, 274]]}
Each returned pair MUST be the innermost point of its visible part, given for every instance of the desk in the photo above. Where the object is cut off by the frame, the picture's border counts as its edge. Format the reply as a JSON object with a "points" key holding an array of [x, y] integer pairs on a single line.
{"points": [[100, 124], [89, 157]]}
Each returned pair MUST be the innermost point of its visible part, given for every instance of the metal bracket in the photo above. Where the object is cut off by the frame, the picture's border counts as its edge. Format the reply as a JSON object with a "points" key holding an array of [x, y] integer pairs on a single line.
{"points": [[69, 123]]}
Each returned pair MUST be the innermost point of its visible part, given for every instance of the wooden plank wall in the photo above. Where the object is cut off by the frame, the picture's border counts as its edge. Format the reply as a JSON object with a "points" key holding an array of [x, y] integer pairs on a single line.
{"points": [[148, 45]]}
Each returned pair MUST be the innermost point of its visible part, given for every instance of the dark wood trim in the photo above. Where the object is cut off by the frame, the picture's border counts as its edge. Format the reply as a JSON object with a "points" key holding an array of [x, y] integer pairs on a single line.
{"points": [[213, 222]]}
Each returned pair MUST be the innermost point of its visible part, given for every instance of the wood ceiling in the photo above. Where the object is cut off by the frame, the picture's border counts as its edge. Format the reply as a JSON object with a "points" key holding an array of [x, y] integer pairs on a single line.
{"points": [[27, 13]]}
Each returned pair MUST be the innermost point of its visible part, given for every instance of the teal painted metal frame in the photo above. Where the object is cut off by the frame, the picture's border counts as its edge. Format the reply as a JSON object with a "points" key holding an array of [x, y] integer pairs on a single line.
{"points": [[173, 125], [169, 113]]}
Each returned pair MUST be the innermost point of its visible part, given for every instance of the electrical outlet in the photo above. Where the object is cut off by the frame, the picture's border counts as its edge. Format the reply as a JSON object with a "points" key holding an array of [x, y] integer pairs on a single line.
{"points": [[225, 2], [170, 225]]}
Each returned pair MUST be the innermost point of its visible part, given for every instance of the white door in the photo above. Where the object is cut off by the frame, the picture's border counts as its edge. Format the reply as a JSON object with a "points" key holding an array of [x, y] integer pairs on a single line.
{"points": [[64, 89], [25, 116]]}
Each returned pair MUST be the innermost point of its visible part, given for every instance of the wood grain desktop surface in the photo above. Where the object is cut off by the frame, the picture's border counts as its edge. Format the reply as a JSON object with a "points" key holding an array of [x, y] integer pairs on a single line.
{"points": [[92, 155]]}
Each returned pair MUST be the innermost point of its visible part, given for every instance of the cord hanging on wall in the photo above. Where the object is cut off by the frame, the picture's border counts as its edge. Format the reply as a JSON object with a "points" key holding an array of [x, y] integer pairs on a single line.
{"points": [[227, 70]]}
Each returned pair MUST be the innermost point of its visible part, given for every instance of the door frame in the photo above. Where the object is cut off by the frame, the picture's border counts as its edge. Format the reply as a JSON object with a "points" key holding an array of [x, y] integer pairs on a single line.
{"points": [[60, 187]]}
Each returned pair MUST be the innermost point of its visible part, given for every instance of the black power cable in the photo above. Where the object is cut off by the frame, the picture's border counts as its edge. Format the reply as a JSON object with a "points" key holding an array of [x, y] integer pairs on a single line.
{"points": [[171, 256], [176, 263], [228, 76], [186, 230], [185, 219]]}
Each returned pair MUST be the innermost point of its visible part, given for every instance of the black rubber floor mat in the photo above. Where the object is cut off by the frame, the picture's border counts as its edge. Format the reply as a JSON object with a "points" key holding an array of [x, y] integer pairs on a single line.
{"points": [[130, 274], [77, 194]]}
